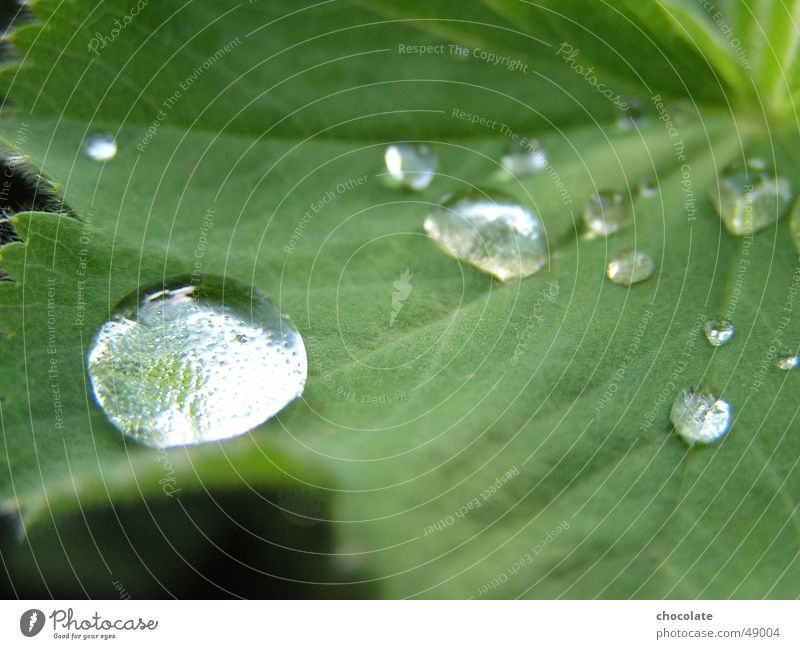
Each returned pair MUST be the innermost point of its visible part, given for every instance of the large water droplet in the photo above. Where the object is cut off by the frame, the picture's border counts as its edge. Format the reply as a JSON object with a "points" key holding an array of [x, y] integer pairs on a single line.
{"points": [[187, 362], [605, 213], [101, 147], [525, 157], [699, 417], [630, 267], [490, 231], [411, 165], [786, 363], [749, 197], [718, 332]]}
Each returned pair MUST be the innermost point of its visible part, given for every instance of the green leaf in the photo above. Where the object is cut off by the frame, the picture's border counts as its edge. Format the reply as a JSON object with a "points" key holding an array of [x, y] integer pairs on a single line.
{"points": [[494, 440]]}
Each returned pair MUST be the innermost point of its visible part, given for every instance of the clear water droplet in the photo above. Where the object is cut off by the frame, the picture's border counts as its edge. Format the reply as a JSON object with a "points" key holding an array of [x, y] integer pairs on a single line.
{"points": [[491, 231], [525, 157], [101, 147], [411, 165], [718, 332], [786, 363], [630, 267], [187, 362], [648, 188], [632, 114], [605, 213], [750, 197], [699, 417]]}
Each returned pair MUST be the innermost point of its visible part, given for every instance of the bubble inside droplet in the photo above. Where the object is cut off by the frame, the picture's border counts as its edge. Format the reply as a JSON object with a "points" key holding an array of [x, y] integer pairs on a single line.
{"points": [[630, 267], [749, 197], [718, 332], [411, 165], [185, 362], [699, 417], [525, 157], [605, 213], [101, 147], [491, 231]]}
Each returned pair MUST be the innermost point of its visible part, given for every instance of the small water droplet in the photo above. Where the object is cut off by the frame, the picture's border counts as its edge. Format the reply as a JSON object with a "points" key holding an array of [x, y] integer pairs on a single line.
{"points": [[165, 378], [718, 332], [491, 231], [632, 114], [749, 197], [648, 188], [411, 165], [699, 417], [786, 363], [525, 157], [605, 213], [630, 267], [101, 147]]}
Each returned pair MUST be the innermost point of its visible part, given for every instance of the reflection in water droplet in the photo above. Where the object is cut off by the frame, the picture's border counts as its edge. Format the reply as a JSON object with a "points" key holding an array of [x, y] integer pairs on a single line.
{"points": [[605, 213], [648, 188], [786, 363], [411, 165], [749, 197], [718, 332], [630, 267], [525, 157], [699, 417], [490, 231], [101, 147], [188, 362]]}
